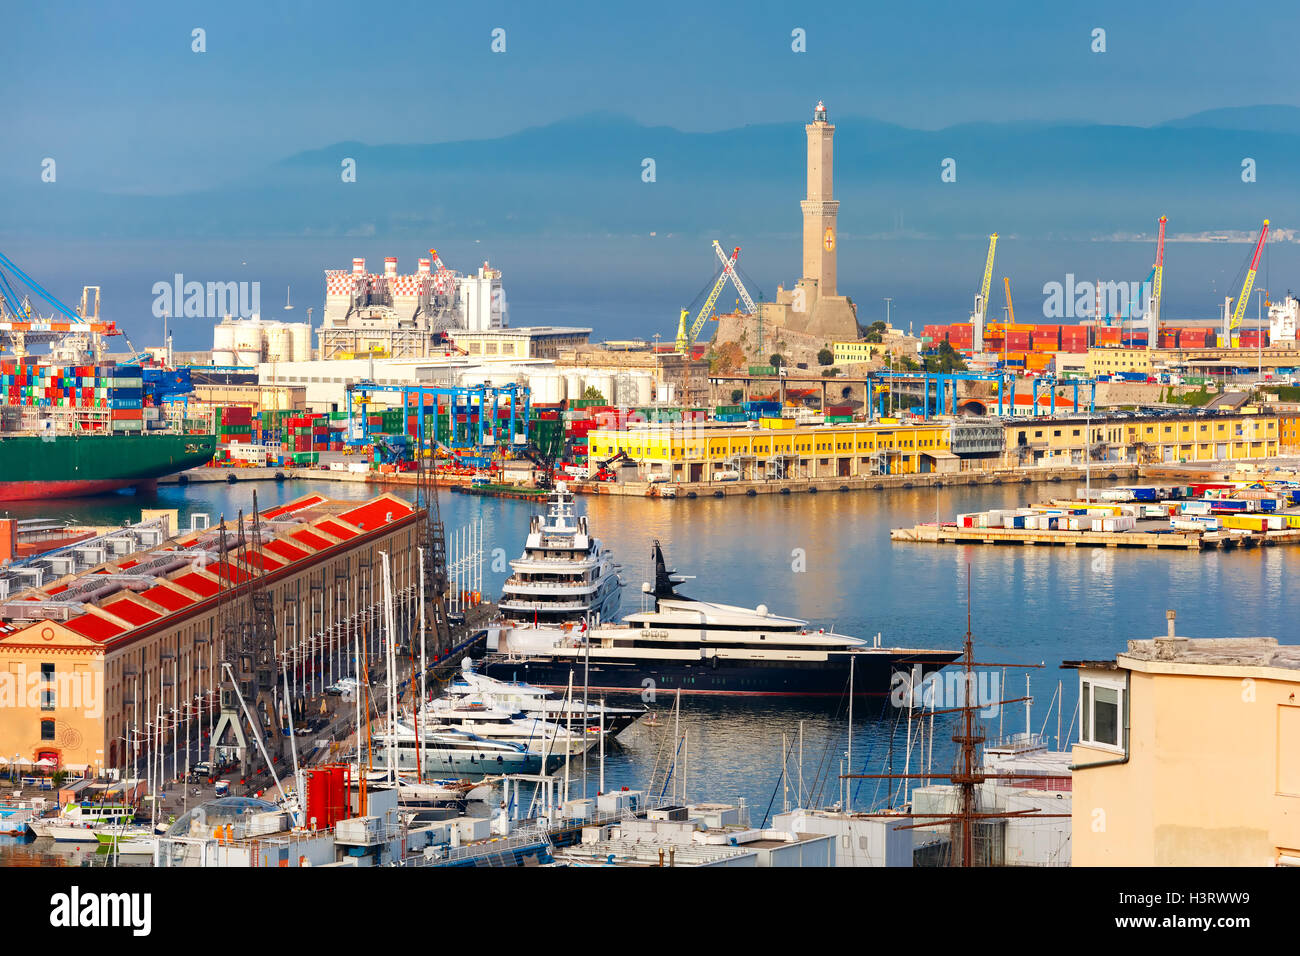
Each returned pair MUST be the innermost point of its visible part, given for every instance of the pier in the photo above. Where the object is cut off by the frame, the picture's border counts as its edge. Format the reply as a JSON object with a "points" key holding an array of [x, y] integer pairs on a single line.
{"points": [[1171, 541], [786, 486]]}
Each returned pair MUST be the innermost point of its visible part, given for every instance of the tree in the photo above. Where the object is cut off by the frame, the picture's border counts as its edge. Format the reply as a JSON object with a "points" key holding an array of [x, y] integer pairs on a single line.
{"points": [[945, 359], [830, 372], [776, 360], [593, 394], [873, 336], [736, 395], [825, 357]]}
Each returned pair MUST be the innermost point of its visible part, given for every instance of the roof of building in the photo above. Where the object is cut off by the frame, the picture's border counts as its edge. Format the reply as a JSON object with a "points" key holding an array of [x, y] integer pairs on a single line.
{"points": [[1220, 651], [143, 590], [522, 331]]}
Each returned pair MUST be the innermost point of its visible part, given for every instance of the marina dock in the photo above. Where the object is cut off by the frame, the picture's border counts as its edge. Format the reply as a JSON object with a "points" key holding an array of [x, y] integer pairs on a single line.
{"points": [[1172, 541]]}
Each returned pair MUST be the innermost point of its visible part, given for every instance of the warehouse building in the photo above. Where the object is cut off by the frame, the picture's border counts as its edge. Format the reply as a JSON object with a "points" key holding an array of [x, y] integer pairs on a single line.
{"points": [[91, 657], [1164, 439]]}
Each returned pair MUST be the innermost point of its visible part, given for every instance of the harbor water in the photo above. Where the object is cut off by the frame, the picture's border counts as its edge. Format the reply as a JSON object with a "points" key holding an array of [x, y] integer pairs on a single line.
{"points": [[828, 558]]}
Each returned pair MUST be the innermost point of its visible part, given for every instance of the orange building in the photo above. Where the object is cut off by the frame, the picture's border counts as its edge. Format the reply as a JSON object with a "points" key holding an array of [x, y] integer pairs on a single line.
{"points": [[91, 659]]}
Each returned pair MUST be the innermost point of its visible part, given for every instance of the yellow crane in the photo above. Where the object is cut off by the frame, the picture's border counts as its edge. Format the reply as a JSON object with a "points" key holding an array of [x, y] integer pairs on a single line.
{"points": [[1011, 309], [982, 302], [1250, 281]]}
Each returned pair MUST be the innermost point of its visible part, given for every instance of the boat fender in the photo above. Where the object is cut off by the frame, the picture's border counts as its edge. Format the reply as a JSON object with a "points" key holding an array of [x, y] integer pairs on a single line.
{"points": [[713, 662]]}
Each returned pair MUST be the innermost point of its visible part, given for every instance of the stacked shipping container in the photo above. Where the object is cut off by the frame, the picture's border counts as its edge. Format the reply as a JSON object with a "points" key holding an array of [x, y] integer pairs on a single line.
{"points": [[112, 396]]}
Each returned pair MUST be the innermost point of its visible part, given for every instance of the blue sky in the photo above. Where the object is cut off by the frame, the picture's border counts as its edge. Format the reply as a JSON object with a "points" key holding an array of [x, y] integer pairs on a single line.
{"points": [[122, 93]]}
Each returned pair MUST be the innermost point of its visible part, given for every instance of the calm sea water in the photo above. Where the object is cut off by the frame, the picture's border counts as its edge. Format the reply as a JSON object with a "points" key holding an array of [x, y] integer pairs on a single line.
{"points": [[1028, 606]]}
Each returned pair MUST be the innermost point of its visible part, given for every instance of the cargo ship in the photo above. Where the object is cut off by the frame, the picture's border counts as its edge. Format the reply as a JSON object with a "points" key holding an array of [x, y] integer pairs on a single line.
{"points": [[70, 465], [75, 430]]}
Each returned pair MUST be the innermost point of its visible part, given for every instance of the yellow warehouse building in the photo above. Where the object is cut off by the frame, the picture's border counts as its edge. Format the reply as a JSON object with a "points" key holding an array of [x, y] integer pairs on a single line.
{"points": [[714, 451]]}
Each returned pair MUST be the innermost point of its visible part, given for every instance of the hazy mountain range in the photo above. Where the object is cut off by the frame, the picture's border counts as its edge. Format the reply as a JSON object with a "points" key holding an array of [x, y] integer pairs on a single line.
{"points": [[583, 177]]}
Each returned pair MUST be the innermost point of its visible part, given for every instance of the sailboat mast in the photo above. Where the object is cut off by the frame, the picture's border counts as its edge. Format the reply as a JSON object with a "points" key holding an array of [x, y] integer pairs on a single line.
{"points": [[848, 789]]}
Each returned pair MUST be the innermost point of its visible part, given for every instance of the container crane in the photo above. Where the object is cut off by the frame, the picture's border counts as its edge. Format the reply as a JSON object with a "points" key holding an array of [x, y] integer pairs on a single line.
{"points": [[686, 335], [1235, 322], [1158, 272], [981, 301]]}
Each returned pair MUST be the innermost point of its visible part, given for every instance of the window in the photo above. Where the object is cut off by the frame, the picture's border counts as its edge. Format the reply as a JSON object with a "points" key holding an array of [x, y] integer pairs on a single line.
{"points": [[47, 730], [47, 687], [1103, 710]]}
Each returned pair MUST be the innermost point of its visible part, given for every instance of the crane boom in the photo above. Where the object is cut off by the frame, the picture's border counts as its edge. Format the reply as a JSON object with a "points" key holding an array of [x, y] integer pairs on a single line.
{"points": [[686, 336], [1011, 309], [1159, 272], [1250, 280], [729, 268], [988, 275]]}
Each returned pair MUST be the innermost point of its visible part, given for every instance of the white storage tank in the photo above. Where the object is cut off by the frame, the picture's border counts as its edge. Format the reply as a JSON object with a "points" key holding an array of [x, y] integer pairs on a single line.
{"points": [[248, 342], [223, 344], [300, 335], [572, 386], [645, 389], [546, 388], [602, 382], [279, 343]]}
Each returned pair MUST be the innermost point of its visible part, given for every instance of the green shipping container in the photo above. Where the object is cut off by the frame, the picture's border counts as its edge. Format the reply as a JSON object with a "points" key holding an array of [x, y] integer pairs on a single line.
{"points": [[762, 370]]}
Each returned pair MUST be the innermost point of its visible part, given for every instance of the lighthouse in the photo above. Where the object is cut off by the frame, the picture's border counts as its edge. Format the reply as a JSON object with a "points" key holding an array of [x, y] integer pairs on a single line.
{"points": [[820, 207]]}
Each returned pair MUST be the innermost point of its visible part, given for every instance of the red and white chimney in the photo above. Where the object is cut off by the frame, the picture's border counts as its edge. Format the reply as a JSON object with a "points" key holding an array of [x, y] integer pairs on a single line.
{"points": [[424, 266], [358, 267], [390, 266]]}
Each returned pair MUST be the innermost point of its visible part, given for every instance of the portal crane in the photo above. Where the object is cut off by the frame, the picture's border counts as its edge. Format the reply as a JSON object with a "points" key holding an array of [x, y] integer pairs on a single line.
{"points": [[981, 301], [1159, 273], [728, 267], [686, 335], [1011, 309], [1240, 310]]}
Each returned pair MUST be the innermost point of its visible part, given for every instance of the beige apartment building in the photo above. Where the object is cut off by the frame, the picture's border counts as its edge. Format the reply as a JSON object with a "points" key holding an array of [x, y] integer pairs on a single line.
{"points": [[1189, 755], [1104, 361], [89, 659]]}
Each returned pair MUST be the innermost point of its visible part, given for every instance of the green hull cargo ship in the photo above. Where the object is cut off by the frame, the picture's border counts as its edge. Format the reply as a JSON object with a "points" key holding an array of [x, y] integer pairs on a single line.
{"points": [[72, 465]]}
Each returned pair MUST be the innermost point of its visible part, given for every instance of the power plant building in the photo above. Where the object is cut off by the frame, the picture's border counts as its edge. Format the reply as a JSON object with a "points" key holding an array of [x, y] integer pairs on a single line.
{"points": [[406, 316]]}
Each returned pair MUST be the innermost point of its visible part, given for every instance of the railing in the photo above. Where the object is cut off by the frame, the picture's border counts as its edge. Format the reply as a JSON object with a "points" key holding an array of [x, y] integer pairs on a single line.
{"points": [[551, 585], [523, 838]]}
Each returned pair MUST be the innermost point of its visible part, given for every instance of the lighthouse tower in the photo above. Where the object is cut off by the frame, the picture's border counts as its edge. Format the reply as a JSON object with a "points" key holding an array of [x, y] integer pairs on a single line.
{"points": [[820, 208], [813, 308]]}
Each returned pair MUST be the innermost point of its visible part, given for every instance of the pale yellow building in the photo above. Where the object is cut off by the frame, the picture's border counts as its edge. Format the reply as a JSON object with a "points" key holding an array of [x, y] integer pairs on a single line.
{"points": [[1169, 440], [1189, 755], [846, 352], [779, 448], [1105, 361]]}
